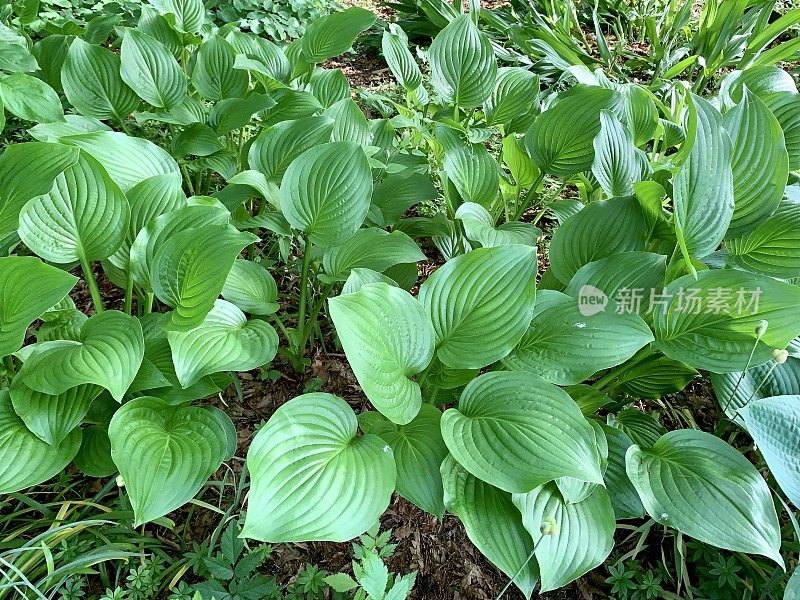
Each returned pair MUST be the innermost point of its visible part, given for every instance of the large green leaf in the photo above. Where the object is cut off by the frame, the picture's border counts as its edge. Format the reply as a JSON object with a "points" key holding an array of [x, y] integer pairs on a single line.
{"points": [[774, 424], [481, 304], [602, 229], [28, 287], [28, 170], [773, 247], [92, 83], [786, 108], [251, 287], [418, 450], [654, 377], [190, 15], [710, 322], [583, 538], [387, 337], [84, 217], [166, 453], [759, 161], [214, 76], [470, 167], [703, 186], [624, 497], [30, 98], [560, 141], [224, 341], [330, 86], [108, 354], [190, 269], [334, 34], [399, 58], [513, 100], [371, 248], [463, 65], [566, 346], [276, 147], [516, 431], [150, 70], [617, 163], [94, 457], [349, 122], [313, 477], [26, 459], [326, 192], [400, 191], [704, 488], [492, 522], [479, 227]]}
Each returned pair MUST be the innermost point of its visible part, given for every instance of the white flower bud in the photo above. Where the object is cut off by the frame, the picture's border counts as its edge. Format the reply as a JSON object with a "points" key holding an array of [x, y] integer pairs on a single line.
{"points": [[779, 356], [761, 328], [549, 526]]}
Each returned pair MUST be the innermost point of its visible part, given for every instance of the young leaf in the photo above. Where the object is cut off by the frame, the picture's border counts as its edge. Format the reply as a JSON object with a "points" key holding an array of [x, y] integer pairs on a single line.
{"points": [[334, 34], [313, 477], [502, 410], [418, 450], [399, 58], [190, 15], [470, 167], [166, 453], [481, 304], [479, 227], [463, 65], [387, 337], [150, 70], [617, 164], [624, 497], [704, 488]]}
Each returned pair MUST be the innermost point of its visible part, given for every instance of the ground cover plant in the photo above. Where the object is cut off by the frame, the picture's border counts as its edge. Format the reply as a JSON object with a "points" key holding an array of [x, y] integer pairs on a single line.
{"points": [[517, 254]]}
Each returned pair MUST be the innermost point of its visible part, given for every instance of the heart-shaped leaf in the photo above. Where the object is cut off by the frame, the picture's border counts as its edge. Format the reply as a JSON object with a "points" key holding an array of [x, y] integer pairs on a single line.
{"points": [[251, 287], [26, 459], [773, 246], [313, 477], [28, 287], [276, 147], [224, 341], [166, 453], [150, 70], [214, 76], [332, 35], [387, 337], [479, 227], [108, 354], [704, 488], [549, 435], [371, 248], [30, 98]]}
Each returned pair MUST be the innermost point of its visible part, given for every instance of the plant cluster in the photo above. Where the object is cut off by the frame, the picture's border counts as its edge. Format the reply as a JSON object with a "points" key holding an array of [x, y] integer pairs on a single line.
{"points": [[502, 392]]}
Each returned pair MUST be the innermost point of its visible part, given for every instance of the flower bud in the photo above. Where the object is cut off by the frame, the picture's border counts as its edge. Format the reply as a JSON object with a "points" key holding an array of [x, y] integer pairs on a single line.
{"points": [[779, 356], [549, 526], [761, 328], [120, 481]]}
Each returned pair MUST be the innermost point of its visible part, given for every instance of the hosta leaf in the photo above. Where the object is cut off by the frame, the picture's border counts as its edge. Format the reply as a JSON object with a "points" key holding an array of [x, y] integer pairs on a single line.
{"points": [[30, 98], [272, 59], [479, 227], [774, 424], [251, 288], [703, 186], [159, 28], [326, 192], [584, 536], [276, 147], [190, 15], [709, 322], [560, 141], [108, 354], [334, 34], [92, 83], [519, 163], [313, 477], [330, 86], [28, 170], [113, 150], [224, 341], [387, 337], [154, 235], [759, 161], [655, 377], [481, 304], [418, 450], [516, 431], [71, 125], [513, 100], [617, 166], [641, 114], [624, 497], [399, 192], [469, 166], [566, 346], [289, 105], [641, 427], [214, 76], [26, 459], [28, 287], [463, 66], [399, 58], [602, 229], [371, 248], [349, 123], [150, 70], [704, 488], [94, 457], [358, 278], [15, 58], [190, 268], [773, 247], [84, 217], [235, 113], [492, 522], [52, 417], [166, 453], [786, 108]]}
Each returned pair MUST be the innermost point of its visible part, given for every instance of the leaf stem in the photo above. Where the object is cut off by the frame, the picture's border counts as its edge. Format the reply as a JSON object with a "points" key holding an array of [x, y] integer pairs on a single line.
{"points": [[148, 305], [312, 317], [129, 293], [301, 311], [188, 178], [94, 290]]}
